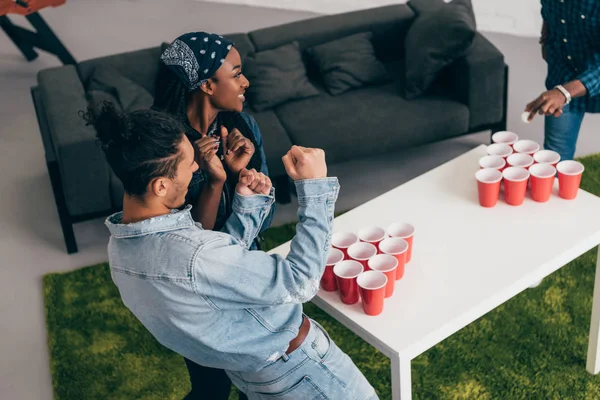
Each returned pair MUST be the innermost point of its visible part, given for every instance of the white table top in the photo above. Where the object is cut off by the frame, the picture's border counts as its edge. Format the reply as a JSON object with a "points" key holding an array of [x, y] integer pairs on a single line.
{"points": [[467, 260]]}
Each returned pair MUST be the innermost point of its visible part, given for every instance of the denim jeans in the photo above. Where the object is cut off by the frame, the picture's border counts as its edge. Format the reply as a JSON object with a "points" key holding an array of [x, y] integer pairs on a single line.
{"points": [[561, 133], [317, 369]]}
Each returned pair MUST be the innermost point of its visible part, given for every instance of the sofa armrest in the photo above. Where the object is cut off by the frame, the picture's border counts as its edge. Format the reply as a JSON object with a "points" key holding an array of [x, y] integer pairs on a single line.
{"points": [[83, 168], [478, 80]]}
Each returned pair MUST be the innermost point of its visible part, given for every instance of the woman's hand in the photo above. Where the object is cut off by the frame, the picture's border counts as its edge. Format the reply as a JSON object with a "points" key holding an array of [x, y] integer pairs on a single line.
{"points": [[206, 157], [237, 148], [251, 182]]}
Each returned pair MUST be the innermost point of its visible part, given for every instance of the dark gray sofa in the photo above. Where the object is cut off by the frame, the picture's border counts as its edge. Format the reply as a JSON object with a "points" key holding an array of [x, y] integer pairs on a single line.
{"points": [[469, 96]]}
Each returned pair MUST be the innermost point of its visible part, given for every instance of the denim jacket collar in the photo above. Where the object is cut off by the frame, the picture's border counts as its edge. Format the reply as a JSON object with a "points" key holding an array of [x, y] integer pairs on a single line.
{"points": [[177, 219]]}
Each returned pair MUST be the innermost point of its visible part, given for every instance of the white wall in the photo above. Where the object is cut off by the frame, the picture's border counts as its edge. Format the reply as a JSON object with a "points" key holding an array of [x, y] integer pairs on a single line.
{"points": [[518, 17]]}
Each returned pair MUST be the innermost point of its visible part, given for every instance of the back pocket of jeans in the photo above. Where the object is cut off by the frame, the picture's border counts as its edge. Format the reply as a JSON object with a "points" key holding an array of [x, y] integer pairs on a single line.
{"points": [[306, 389]]}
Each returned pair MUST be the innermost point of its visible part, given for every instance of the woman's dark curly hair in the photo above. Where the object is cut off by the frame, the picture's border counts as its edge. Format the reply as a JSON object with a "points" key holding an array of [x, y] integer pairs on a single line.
{"points": [[139, 146]]}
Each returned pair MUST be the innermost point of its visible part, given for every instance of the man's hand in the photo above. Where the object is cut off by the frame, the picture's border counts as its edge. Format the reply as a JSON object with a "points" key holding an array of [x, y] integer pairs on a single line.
{"points": [[251, 182], [305, 163], [205, 152], [548, 103], [237, 148]]}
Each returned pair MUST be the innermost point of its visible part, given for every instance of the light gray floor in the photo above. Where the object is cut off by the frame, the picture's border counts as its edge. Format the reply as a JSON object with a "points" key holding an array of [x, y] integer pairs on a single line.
{"points": [[30, 237]]}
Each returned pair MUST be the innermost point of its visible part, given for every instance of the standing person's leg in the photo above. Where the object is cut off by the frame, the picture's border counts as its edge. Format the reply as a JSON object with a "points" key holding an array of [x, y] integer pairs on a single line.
{"points": [[208, 383], [561, 133], [316, 369]]}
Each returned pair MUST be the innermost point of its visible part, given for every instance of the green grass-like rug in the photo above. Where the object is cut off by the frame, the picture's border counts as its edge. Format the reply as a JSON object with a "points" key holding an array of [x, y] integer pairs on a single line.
{"points": [[532, 347]]}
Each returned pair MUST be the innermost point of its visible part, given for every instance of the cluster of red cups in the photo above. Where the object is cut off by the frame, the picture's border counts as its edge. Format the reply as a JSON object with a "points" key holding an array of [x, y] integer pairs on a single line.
{"points": [[519, 163], [366, 265]]}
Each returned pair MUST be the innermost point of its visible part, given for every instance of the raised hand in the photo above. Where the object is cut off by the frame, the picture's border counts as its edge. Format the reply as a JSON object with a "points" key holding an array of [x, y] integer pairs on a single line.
{"points": [[251, 182], [206, 157], [237, 149], [305, 163]]}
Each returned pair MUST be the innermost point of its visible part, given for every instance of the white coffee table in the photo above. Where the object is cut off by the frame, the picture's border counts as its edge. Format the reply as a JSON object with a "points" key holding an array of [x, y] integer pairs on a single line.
{"points": [[467, 260]]}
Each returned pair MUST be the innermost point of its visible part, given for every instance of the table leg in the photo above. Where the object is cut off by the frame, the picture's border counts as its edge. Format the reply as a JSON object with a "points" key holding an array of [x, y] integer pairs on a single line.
{"points": [[401, 381], [593, 356]]}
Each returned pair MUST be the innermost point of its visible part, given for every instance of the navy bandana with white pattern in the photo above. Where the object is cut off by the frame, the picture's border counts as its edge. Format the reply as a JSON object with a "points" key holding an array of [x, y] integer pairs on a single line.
{"points": [[195, 57]]}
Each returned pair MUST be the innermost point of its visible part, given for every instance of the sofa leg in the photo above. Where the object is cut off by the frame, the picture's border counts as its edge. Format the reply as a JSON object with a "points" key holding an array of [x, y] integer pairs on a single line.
{"points": [[282, 190], [69, 236], [66, 222]]}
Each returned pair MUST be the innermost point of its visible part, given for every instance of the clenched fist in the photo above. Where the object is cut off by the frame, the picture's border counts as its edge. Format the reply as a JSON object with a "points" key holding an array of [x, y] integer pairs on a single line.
{"points": [[251, 182], [305, 163], [238, 149]]}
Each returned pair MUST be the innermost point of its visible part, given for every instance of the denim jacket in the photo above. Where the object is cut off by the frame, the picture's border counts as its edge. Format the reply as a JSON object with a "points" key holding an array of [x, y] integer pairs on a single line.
{"points": [[223, 211], [206, 296]]}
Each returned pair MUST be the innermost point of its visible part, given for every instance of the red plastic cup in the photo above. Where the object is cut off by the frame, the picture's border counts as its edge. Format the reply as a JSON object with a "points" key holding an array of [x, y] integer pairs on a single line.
{"points": [[542, 181], [488, 186], [526, 146], [493, 162], [499, 149], [362, 252], [404, 231], [505, 137], [547, 157], [520, 160], [388, 265], [372, 286], [372, 234], [569, 178], [346, 273], [342, 241], [328, 282], [515, 185], [398, 248]]}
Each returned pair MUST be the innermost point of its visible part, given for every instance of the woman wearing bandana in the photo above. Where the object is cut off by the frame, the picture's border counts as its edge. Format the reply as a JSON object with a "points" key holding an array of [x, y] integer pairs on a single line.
{"points": [[200, 82]]}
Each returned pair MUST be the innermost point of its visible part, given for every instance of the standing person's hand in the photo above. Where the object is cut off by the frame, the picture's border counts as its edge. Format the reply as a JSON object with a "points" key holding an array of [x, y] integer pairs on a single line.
{"points": [[305, 163], [206, 157], [251, 182], [237, 149], [548, 103]]}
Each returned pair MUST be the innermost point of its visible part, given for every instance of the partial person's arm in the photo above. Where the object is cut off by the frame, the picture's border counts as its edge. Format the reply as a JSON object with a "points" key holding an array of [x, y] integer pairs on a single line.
{"points": [[588, 82], [264, 168], [248, 216], [233, 277], [544, 38], [206, 207]]}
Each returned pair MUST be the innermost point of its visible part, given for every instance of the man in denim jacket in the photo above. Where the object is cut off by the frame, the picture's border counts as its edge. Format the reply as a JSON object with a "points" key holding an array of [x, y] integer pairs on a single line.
{"points": [[204, 294]]}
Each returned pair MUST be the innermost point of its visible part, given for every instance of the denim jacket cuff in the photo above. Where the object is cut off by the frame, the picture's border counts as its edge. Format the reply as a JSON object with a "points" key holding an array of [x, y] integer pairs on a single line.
{"points": [[316, 187], [254, 201]]}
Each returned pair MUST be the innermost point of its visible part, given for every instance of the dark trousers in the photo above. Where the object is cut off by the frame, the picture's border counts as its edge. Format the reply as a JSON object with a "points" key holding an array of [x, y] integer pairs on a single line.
{"points": [[208, 383]]}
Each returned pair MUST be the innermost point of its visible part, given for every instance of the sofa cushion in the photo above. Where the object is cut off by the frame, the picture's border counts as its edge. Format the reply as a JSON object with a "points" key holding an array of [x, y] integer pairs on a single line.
{"points": [[114, 87], [314, 31], [424, 6], [348, 63], [371, 120], [139, 66], [275, 140], [435, 40], [277, 76]]}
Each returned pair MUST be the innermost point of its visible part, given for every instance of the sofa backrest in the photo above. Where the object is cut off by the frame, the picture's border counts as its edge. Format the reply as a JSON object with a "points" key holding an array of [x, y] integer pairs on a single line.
{"points": [[140, 66], [385, 22]]}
